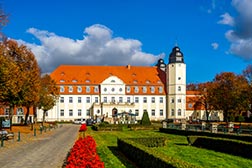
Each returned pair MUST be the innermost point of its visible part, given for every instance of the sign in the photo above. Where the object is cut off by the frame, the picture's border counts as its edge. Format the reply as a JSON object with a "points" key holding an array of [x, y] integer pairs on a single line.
{"points": [[6, 124]]}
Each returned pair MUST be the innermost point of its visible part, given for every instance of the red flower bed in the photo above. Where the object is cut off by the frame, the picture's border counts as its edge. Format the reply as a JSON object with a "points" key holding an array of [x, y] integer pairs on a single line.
{"points": [[83, 154], [83, 128]]}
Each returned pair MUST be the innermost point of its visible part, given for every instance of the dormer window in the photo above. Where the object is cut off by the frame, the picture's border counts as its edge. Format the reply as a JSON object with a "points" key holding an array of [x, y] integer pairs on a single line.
{"points": [[136, 89], [70, 88], [144, 89], [74, 80], [96, 89], [147, 81], [152, 89], [62, 80], [160, 89], [87, 81], [79, 89], [134, 81], [128, 89], [87, 89], [62, 89]]}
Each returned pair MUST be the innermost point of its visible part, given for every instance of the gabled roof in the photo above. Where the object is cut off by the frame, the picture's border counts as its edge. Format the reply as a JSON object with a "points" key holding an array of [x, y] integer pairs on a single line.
{"points": [[94, 75]]}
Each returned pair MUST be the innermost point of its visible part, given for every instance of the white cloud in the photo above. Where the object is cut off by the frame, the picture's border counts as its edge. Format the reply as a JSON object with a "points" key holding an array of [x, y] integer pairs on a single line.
{"points": [[227, 19], [240, 36], [97, 47], [215, 45]]}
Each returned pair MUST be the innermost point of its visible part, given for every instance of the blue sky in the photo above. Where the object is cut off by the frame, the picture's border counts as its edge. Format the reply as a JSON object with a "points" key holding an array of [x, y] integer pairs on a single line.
{"points": [[214, 35]]}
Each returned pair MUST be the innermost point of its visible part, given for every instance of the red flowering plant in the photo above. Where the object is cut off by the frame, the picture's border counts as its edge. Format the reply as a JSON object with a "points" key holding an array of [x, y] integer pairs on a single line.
{"points": [[83, 154], [82, 130]]}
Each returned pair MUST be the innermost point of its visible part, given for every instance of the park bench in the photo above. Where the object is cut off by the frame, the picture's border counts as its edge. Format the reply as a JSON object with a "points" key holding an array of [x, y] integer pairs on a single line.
{"points": [[5, 135]]}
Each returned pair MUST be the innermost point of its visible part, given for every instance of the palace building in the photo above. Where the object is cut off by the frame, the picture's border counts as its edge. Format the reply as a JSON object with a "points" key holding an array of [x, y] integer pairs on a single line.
{"points": [[107, 91]]}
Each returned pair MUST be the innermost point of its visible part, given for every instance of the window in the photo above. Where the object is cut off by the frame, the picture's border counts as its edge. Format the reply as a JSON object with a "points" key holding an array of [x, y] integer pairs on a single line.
{"points": [[88, 112], [160, 89], [70, 88], [144, 89], [179, 100], [87, 89], [61, 112], [120, 99], [62, 89], [128, 99], [74, 81], [96, 99], [136, 99], [88, 100], [179, 78], [179, 88], [46, 114], [152, 99], [61, 99], [113, 89], [70, 112], [144, 99], [120, 90], [147, 81], [70, 99], [152, 89], [62, 80], [172, 112], [79, 99], [113, 99], [79, 89], [105, 100], [161, 112], [6, 111], [112, 81], [20, 111], [153, 112], [161, 100], [79, 112], [96, 89], [179, 112], [105, 89], [172, 100], [137, 112], [128, 89], [136, 89], [190, 105]]}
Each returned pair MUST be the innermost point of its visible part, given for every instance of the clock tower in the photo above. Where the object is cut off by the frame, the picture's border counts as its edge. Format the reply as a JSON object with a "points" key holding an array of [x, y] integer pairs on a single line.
{"points": [[176, 85]]}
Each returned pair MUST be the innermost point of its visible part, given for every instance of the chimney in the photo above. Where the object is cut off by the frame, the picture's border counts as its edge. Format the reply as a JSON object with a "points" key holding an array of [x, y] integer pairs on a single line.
{"points": [[128, 66]]}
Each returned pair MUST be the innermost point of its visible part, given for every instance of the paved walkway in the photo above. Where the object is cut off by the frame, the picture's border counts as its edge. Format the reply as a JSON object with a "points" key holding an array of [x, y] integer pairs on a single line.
{"points": [[48, 151]]}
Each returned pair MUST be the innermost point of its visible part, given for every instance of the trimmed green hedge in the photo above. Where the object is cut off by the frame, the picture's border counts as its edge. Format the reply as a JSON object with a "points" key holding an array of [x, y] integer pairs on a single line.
{"points": [[246, 138], [148, 157], [233, 147], [150, 142], [108, 127]]}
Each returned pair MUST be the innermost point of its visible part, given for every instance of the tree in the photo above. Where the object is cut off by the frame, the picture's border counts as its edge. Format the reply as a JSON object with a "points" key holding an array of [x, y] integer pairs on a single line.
{"points": [[30, 71], [227, 90], [145, 119], [203, 97], [49, 94], [11, 81]]}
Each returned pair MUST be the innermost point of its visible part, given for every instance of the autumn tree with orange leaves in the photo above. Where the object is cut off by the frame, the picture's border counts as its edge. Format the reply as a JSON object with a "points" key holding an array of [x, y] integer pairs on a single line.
{"points": [[30, 72], [49, 94], [227, 93]]}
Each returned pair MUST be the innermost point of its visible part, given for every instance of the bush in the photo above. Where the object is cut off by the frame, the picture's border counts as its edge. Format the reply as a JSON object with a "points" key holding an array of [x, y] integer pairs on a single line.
{"points": [[145, 119]]}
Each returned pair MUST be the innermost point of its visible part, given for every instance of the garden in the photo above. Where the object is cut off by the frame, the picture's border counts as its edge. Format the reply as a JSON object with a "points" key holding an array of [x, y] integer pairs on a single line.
{"points": [[109, 155]]}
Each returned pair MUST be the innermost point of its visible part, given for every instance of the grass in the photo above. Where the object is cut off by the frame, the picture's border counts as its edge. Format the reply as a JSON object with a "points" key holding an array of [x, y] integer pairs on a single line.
{"points": [[176, 147]]}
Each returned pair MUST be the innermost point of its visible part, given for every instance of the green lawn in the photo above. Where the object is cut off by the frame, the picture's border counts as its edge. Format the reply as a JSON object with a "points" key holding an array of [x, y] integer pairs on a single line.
{"points": [[176, 147]]}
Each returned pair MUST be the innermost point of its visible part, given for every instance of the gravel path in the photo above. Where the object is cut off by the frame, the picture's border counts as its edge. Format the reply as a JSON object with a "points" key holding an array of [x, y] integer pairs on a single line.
{"points": [[43, 151]]}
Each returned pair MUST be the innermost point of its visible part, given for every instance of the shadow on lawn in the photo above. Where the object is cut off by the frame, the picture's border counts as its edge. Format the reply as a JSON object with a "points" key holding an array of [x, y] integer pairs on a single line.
{"points": [[124, 160]]}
